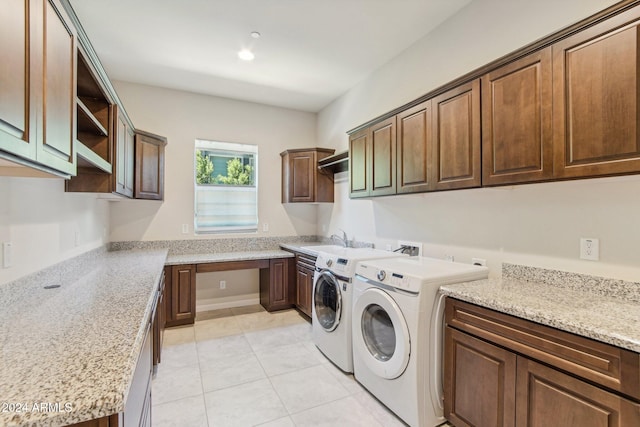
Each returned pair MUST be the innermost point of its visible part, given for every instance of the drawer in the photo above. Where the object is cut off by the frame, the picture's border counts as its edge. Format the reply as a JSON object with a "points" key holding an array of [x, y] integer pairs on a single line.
{"points": [[609, 366]]}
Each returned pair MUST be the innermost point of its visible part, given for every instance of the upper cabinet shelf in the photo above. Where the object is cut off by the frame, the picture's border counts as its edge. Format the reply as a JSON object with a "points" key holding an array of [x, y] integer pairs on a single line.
{"points": [[337, 163]]}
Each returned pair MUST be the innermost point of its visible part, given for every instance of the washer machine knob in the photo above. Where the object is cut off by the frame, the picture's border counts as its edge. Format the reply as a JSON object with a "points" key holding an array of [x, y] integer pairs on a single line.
{"points": [[329, 262], [382, 275]]}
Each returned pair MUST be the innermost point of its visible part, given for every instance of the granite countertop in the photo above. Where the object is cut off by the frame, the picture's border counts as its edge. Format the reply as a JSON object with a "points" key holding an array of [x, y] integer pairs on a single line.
{"points": [[68, 354], [602, 309], [226, 256]]}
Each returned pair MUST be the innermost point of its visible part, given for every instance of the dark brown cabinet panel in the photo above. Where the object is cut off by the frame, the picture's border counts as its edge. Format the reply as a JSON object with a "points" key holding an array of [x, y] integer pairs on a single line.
{"points": [[301, 179], [305, 269], [502, 370], [359, 161], [414, 149], [595, 99], [182, 301], [383, 158], [456, 138], [517, 139], [124, 155], [548, 397], [479, 382], [149, 166], [276, 292], [159, 321], [37, 82]]}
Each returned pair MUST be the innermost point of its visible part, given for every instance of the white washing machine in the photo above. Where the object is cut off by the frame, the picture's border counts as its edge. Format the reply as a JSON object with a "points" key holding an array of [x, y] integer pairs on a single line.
{"points": [[332, 301], [397, 332]]}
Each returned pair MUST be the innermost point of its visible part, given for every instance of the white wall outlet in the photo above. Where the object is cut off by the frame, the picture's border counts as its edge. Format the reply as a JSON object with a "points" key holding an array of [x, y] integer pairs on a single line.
{"points": [[265, 226], [223, 284], [185, 228], [449, 258], [479, 261], [417, 245], [589, 249], [77, 238], [6, 254], [388, 248]]}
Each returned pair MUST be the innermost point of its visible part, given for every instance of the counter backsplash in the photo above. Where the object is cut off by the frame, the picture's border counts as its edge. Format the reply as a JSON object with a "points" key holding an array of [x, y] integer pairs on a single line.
{"points": [[575, 281]]}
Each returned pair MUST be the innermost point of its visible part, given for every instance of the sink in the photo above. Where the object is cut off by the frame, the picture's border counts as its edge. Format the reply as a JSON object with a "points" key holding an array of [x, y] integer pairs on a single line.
{"points": [[332, 249]]}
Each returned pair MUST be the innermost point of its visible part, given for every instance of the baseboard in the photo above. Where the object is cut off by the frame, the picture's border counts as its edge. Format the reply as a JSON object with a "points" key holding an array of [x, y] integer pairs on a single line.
{"points": [[228, 302]]}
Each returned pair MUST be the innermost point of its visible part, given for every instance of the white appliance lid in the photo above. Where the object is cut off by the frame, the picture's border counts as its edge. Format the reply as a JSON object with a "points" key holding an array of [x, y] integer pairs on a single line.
{"points": [[423, 270]]}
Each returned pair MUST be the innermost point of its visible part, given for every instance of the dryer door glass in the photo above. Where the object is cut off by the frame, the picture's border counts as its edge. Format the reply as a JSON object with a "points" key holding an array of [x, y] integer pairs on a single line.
{"points": [[378, 332], [327, 301]]}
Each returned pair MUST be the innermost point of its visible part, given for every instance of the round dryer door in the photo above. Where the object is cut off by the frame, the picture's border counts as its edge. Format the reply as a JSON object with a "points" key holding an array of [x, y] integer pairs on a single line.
{"points": [[327, 301], [381, 335]]}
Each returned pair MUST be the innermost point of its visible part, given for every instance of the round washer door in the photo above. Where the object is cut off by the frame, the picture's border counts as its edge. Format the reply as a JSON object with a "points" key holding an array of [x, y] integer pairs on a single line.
{"points": [[327, 300], [381, 336]]}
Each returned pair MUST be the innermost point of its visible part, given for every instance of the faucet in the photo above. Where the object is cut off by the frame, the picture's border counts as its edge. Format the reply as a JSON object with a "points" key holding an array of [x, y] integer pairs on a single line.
{"points": [[343, 239]]}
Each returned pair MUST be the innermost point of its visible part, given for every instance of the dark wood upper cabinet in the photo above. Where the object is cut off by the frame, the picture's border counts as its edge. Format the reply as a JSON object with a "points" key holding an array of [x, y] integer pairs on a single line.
{"points": [[37, 82], [359, 163], [149, 166], [517, 139], [414, 149], [302, 181], [595, 99], [382, 176], [456, 138]]}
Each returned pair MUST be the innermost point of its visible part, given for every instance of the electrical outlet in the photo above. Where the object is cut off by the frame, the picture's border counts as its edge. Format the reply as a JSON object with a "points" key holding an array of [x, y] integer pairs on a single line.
{"points": [[449, 258], [77, 238], [265, 226], [6, 254], [185, 228], [590, 249], [388, 248], [223, 284], [479, 261], [416, 247]]}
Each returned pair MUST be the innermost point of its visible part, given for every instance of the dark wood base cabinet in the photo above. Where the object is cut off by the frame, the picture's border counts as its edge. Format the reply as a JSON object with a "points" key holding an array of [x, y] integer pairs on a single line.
{"points": [[276, 292], [503, 371], [305, 269]]}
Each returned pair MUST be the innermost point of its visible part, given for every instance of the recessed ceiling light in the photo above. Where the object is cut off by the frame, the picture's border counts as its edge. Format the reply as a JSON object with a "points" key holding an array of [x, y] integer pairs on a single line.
{"points": [[246, 55], [256, 35]]}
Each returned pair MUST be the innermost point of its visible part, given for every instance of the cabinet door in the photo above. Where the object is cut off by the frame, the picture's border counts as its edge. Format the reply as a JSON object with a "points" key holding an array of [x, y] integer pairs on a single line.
{"points": [[414, 149], [547, 397], [595, 99], [18, 107], [456, 138], [359, 154], [56, 140], [304, 286], [279, 286], [183, 294], [517, 140], [382, 177], [124, 156], [301, 176], [479, 382], [149, 166]]}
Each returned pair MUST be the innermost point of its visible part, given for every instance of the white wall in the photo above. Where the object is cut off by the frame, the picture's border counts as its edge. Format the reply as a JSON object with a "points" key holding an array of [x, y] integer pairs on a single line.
{"points": [[41, 221], [537, 224], [182, 117]]}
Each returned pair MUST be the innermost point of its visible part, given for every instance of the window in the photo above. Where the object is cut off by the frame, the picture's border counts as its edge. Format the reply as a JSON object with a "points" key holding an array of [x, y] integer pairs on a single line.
{"points": [[226, 187]]}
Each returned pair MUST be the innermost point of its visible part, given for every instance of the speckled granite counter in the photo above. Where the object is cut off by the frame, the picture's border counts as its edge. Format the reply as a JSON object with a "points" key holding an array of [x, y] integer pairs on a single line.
{"points": [[68, 354], [226, 256], [602, 309]]}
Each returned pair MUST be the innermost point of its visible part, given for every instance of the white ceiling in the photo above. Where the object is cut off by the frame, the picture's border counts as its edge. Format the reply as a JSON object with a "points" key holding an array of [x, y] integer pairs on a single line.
{"points": [[310, 52]]}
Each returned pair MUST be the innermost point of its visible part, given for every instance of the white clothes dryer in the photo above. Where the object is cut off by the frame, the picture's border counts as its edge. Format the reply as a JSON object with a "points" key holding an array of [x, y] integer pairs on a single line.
{"points": [[332, 301], [398, 332]]}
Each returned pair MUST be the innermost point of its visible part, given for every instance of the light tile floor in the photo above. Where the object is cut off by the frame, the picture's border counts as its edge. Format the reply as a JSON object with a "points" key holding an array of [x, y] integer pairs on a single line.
{"points": [[247, 367]]}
